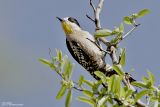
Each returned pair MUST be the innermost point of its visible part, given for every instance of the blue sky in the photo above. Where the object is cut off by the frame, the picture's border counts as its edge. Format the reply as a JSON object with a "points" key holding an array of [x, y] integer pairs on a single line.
{"points": [[28, 28]]}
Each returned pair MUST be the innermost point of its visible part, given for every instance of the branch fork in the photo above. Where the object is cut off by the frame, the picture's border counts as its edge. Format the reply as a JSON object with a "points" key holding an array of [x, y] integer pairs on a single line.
{"points": [[111, 49]]}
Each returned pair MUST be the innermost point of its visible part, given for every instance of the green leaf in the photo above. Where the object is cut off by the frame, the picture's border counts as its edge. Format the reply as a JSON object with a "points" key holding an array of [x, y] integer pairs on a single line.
{"points": [[151, 77], [134, 16], [111, 84], [123, 57], [117, 105], [122, 92], [117, 38], [118, 70], [88, 101], [102, 91], [145, 79], [128, 93], [88, 93], [96, 84], [102, 101], [114, 40], [59, 54], [116, 31], [140, 94], [45, 61], [103, 33], [128, 20], [68, 99], [68, 69], [143, 13], [88, 83], [101, 76], [60, 65], [114, 85], [104, 106], [117, 86], [54, 59], [81, 78], [149, 84], [53, 67], [139, 84], [61, 92], [121, 28]]}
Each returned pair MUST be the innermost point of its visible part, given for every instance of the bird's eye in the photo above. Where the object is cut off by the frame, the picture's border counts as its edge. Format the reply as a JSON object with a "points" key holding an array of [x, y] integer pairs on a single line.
{"points": [[73, 20]]}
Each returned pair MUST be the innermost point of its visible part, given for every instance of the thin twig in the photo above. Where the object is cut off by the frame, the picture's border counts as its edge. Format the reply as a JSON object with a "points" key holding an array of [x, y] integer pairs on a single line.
{"points": [[107, 52], [60, 75], [50, 53], [81, 89], [104, 41], [78, 89], [92, 5], [129, 32], [90, 18]]}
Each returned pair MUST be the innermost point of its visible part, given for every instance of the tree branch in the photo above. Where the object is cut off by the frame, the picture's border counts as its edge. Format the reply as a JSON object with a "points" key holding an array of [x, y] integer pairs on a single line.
{"points": [[111, 48], [113, 54], [96, 11]]}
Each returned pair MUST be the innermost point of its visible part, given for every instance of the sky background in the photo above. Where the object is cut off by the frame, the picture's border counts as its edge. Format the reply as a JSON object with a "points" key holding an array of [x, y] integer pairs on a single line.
{"points": [[28, 28]]}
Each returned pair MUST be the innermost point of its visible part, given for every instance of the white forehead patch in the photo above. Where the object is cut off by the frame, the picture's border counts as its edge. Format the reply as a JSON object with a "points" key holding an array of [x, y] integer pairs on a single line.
{"points": [[66, 18], [73, 25]]}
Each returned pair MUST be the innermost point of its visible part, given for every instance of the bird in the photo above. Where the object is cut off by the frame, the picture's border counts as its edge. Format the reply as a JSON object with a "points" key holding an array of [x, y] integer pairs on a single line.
{"points": [[83, 48]]}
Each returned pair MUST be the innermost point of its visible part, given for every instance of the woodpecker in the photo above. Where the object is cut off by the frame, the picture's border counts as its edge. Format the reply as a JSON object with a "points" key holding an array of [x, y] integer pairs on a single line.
{"points": [[81, 45]]}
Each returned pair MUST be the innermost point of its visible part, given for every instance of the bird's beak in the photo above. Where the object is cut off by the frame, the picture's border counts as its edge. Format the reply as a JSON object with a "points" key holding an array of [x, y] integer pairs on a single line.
{"points": [[59, 19]]}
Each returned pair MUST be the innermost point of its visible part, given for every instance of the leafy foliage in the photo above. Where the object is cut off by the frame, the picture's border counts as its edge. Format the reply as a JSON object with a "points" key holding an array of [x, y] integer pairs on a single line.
{"points": [[68, 98], [130, 20], [118, 32], [122, 59], [112, 91]]}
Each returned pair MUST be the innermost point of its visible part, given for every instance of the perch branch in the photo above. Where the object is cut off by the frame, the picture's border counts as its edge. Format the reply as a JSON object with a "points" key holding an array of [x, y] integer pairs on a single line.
{"points": [[111, 48], [126, 80]]}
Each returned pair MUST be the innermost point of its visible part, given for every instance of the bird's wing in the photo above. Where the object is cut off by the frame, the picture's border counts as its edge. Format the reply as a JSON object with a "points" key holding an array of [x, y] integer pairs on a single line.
{"points": [[79, 55]]}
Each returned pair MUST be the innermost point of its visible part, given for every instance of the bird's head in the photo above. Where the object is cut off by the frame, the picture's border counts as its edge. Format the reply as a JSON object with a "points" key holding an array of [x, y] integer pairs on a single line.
{"points": [[69, 25]]}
